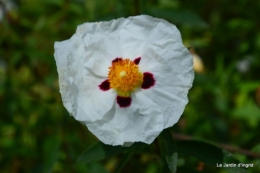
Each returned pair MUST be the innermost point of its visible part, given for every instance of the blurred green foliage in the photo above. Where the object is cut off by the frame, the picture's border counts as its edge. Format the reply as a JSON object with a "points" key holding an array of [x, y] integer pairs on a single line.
{"points": [[38, 135]]}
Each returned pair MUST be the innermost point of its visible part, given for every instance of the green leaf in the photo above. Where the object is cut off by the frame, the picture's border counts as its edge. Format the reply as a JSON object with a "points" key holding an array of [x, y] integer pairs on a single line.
{"points": [[100, 151], [164, 166], [96, 167], [209, 154], [169, 150], [205, 152], [51, 152], [228, 158], [135, 148], [124, 161], [178, 16], [172, 162]]}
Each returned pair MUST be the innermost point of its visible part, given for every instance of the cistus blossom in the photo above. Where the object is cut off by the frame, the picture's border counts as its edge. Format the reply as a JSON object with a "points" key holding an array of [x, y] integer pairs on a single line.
{"points": [[125, 79]]}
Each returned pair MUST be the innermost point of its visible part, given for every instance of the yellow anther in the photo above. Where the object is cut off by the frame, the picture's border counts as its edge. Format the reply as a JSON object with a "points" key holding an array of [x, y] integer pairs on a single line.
{"points": [[124, 77], [122, 73]]}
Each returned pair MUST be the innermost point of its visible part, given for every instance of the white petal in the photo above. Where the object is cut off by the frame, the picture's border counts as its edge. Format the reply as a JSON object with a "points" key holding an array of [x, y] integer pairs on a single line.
{"points": [[164, 43], [142, 121], [102, 53], [67, 89], [172, 82], [93, 103], [134, 33], [171, 64], [79, 87]]}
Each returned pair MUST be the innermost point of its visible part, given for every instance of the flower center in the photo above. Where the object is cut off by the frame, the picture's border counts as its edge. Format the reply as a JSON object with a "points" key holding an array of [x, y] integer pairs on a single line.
{"points": [[124, 77], [122, 73]]}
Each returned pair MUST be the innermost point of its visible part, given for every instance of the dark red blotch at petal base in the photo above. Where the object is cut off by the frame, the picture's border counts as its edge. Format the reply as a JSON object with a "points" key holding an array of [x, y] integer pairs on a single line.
{"points": [[105, 85], [137, 60], [117, 59], [123, 101], [148, 80]]}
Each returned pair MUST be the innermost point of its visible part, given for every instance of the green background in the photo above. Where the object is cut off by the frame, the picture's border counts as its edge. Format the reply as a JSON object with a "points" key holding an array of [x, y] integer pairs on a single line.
{"points": [[38, 135]]}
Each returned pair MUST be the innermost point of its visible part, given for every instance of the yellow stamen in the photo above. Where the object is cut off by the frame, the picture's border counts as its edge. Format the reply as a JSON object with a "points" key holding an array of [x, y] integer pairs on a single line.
{"points": [[124, 77], [122, 73]]}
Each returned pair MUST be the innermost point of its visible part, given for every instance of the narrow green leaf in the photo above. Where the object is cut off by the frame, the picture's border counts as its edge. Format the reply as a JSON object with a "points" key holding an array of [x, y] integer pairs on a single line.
{"points": [[178, 16], [165, 166], [135, 148], [205, 152], [100, 151], [209, 154], [228, 158], [51, 152], [123, 162], [172, 161], [96, 167], [169, 150]]}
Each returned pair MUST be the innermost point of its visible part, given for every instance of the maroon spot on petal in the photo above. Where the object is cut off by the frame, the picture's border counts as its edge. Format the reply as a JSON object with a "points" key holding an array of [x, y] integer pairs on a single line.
{"points": [[137, 60], [105, 85], [123, 101], [148, 80], [117, 59]]}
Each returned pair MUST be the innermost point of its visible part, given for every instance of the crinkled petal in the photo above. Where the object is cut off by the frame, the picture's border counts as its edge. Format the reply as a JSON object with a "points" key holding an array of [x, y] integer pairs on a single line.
{"points": [[102, 52], [93, 103], [134, 33], [79, 86], [173, 80], [68, 89], [142, 121], [172, 66]]}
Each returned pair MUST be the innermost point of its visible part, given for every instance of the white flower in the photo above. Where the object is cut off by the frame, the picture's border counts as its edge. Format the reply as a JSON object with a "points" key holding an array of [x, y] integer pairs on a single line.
{"points": [[125, 79]]}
